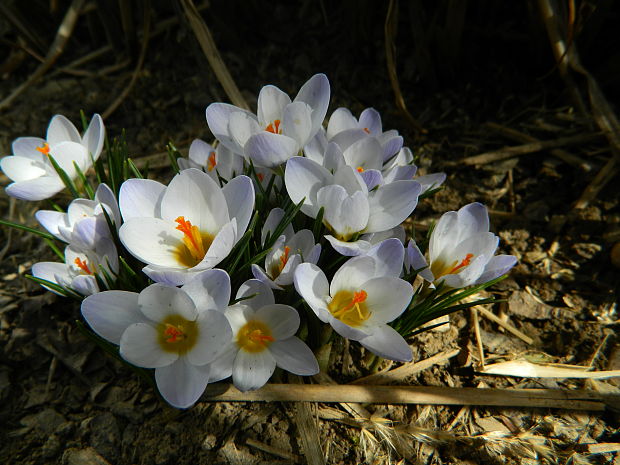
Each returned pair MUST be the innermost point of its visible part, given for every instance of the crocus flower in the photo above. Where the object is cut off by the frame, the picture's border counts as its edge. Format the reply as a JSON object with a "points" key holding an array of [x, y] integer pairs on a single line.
{"points": [[350, 209], [187, 227], [30, 169], [364, 295], [218, 162], [179, 332], [288, 251], [279, 130], [84, 223], [461, 250], [80, 266], [263, 338]]}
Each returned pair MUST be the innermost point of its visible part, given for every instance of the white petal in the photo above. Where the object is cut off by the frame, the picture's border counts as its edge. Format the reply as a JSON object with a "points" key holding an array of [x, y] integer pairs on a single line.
{"points": [[52, 271], [389, 255], [365, 153], [221, 246], [69, 154], [303, 179], [333, 158], [238, 315], [140, 198], [497, 266], [353, 274], [60, 130], [242, 126], [270, 150], [19, 169], [252, 371], [315, 92], [218, 118], [387, 298], [85, 284], [282, 320], [271, 104], [26, 147], [346, 214], [431, 181], [387, 343], [221, 367], [210, 290], [94, 137], [169, 276], [370, 119], [139, 345], [261, 276], [263, 295], [214, 334], [340, 120], [295, 356], [158, 301], [110, 313], [414, 260], [349, 249], [106, 197], [473, 218], [355, 334], [445, 235], [153, 241], [51, 220], [297, 122], [195, 196], [35, 189], [312, 285], [271, 223], [239, 195], [391, 204], [181, 384]]}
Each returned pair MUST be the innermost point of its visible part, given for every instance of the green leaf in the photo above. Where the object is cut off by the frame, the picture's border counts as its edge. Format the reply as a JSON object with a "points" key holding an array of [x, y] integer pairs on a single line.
{"points": [[22, 227]]}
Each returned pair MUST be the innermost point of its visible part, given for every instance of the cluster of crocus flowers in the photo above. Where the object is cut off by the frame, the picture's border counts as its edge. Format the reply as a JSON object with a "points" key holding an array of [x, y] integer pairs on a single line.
{"points": [[30, 168], [298, 219]]}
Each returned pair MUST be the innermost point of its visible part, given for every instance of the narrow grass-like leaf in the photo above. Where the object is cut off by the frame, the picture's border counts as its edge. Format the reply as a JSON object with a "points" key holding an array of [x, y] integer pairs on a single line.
{"points": [[22, 227], [64, 177], [87, 187], [134, 169]]}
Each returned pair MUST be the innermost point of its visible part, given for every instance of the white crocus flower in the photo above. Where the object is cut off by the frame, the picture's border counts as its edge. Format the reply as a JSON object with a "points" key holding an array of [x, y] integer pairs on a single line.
{"points": [[84, 223], [281, 127], [461, 250], [364, 295], [350, 209], [30, 169], [401, 167], [179, 332], [218, 162], [263, 338], [187, 227], [288, 251], [81, 265]]}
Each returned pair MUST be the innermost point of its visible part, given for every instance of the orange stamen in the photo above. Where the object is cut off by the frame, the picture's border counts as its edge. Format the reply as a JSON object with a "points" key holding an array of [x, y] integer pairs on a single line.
{"points": [[192, 238], [274, 127], [367, 130], [463, 263], [260, 176], [284, 257], [212, 162], [258, 336], [358, 298], [45, 150], [174, 333], [82, 265], [360, 169]]}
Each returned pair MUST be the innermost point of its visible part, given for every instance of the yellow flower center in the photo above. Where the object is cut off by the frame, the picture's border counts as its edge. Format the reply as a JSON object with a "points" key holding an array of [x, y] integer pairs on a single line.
{"points": [[274, 127], [45, 149], [176, 334], [439, 269], [82, 265], [211, 162], [194, 243], [350, 307], [254, 336]]}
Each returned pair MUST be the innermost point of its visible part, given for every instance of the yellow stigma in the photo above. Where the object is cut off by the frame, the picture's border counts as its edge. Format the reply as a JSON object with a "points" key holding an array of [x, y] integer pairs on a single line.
{"points": [[350, 307], [45, 149], [176, 334], [439, 269], [195, 244], [254, 336], [274, 127]]}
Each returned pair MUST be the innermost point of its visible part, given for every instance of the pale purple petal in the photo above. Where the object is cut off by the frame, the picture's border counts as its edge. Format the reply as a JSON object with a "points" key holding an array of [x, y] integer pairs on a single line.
{"points": [[315, 92], [159, 301], [214, 333], [140, 198], [181, 384], [139, 345], [210, 290], [387, 343], [110, 313], [252, 370], [391, 204], [282, 320], [303, 179], [270, 150], [262, 293], [294, 355]]}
